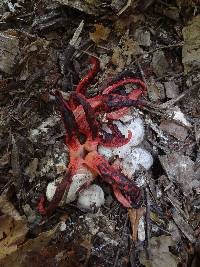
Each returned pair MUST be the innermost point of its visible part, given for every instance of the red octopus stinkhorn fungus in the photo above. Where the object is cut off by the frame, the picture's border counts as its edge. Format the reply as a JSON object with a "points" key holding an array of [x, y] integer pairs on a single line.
{"points": [[79, 115]]}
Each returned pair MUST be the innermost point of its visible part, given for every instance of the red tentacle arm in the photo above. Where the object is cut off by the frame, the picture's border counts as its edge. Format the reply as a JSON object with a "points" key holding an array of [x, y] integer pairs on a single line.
{"points": [[82, 86], [114, 139], [60, 190], [116, 115], [118, 194], [113, 176], [134, 95], [115, 102], [116, 85]]}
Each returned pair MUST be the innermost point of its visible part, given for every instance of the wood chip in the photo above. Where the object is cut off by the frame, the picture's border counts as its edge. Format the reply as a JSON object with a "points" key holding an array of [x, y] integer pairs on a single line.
{"points": [[177, 131], [184, 226], [135, 215]]}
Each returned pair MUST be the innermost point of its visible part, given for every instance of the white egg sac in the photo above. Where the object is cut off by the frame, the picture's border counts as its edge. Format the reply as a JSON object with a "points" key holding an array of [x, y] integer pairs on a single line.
{"points": [[107, 152], [82, 176], [138, 157], [92, 197], [136, 126]]}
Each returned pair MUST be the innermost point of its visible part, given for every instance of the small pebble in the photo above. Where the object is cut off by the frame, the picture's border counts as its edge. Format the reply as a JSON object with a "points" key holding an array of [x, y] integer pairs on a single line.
{"points": [[63, 226]]}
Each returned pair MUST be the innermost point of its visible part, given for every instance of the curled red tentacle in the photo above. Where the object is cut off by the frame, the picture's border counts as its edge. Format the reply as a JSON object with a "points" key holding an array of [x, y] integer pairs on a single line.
{"points": [[89, 114], [81, 87], [68, 117], [62, 187], [118, 194], [116, 85], [116, 138], [113, 102], [41, 206], [116, 115]]}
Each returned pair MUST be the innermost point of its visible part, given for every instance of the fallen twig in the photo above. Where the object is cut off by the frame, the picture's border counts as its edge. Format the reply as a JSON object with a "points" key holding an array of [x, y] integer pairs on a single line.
{"points": [[71, 47], [164, 47], [122, 235], [147, 217], [135, 215], [129, 2], [171, 102], [184, 227]]}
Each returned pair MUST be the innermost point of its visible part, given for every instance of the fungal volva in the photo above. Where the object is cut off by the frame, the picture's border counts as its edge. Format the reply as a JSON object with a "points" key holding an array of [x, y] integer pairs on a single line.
{"points": [[137, 157], [136, 126], [91, 197], [82, 176]]}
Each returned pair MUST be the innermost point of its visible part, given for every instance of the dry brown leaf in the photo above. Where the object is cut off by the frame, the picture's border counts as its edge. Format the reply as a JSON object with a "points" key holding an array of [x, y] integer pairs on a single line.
{"points": [[18, 257], [180, 170], [7, 208], [184, 226], [5, 159], [9, 46], [191, 47], [12, 234], [153, 92], [135, 215], [131, 48], [178, 131], [88, 246], [160, 254], [123, 55], [123, 23], [31, 169], [117, 58], [101, 33]]}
